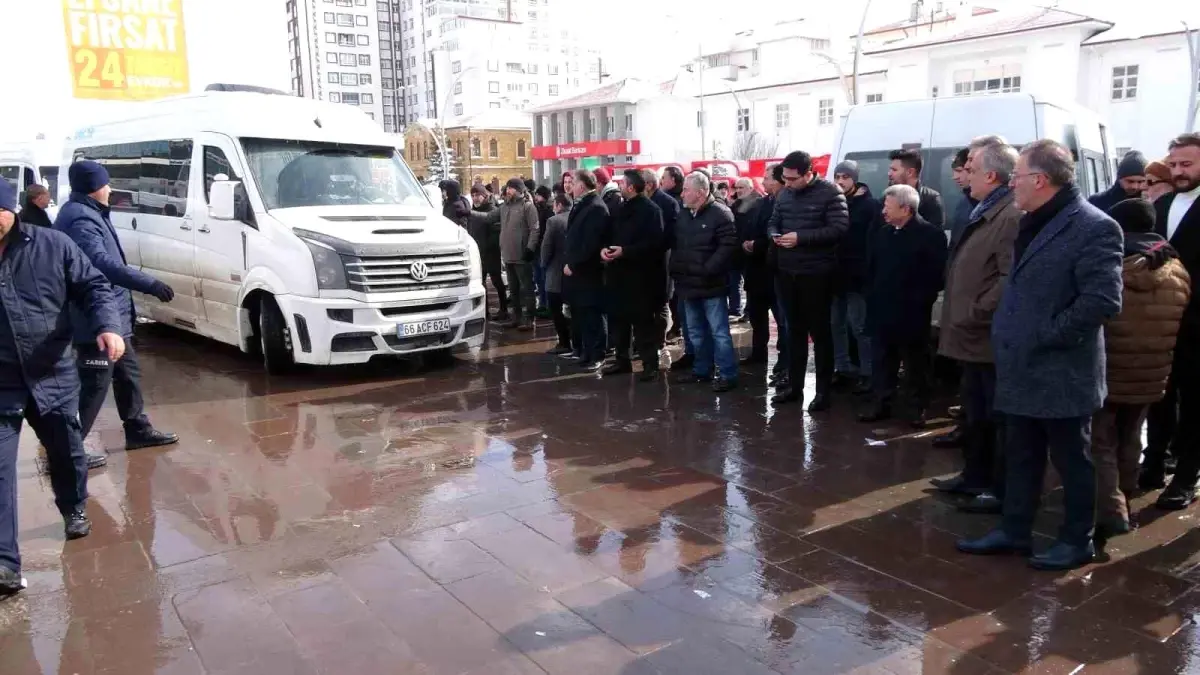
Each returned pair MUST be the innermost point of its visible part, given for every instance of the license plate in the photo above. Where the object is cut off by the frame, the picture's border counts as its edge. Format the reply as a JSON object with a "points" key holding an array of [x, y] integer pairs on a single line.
{"points": [[423, 327]]}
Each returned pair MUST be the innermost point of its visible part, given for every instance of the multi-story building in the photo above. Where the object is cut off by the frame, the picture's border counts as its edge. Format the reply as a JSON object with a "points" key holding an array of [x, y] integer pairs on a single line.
{"points": [[490, 147], [335, 53]]}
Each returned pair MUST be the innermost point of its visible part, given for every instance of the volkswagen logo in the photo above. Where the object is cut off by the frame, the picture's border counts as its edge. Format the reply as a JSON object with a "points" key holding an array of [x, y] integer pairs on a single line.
{"points": [[418, 271]]}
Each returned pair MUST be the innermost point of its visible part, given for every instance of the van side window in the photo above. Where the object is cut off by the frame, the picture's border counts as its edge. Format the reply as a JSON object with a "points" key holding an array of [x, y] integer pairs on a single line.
{"points": [[149, 177], [216, 162]]}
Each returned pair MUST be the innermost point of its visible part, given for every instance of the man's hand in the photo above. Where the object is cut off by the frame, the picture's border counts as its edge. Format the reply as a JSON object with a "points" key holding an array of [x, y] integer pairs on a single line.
{"points": [[163, 292], [788, 240], [112, 345], [529, 255], [748, 246], [612, 253], [567, 270]]}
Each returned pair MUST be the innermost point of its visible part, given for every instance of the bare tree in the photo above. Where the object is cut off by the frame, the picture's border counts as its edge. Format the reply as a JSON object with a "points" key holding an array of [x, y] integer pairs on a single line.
{"points": [[753, 145]]}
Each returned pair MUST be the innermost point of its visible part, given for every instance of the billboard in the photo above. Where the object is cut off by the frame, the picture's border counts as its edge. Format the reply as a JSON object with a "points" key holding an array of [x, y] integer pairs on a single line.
{"points": [[126, 50]]}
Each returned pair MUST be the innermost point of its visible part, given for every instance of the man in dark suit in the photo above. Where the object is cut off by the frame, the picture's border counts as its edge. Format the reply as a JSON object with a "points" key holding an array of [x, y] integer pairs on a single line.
{"points": [[1047, 337], [1175, 422], [583, 270]]}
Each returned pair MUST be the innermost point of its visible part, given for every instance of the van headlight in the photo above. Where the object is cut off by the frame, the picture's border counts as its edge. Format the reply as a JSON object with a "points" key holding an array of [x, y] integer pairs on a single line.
{"points": [[331, 271], [475, 260]]}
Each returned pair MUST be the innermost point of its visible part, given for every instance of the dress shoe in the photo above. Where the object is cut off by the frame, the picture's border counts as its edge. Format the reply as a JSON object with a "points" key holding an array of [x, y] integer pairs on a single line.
{"points": [[11, 582], [1170, 464], [983, 503], [778, 379], [683, 363], [841, 380], [559, 350], [877, 413], [863, 387], [753, 360], [1176, 498], [649, 375], [1152, 477], [787, 395], [692, 378], [996, 542], [956, 438], [1113, 528], [956, 412], [501, 316], [918, 420], [591, 366], [76, 524], [820, 403], [617, 368], [95, 460], [572, 356], [1063, 556], [954, 485], [722, 385], [525, 326], [148, 438]]}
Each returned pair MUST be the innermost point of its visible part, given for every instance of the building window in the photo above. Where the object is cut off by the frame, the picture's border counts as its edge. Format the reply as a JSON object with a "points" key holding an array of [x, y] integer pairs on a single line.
{"points": [[335, 97], [825, 111], [329, 17], [493, 87], [874, 98], [367, 98], [515, 86], [458, 109], [514, 67], [993, 80], [364, 59], [456, 67], [629, 122], [331, 57], [533, 88], [333, 77], [783, 116], [475, 148], [553, 90], [591, 127], [743, 119], [345, 39], [609, 125], [493, 66], [458, 148], [345, 20], [346, 59], [331, 38], [494, 104], [364, 78], [360, 20], [349, 97], [493, 149], [521, 148], [1124, 83], [349, 79], [552, 69], [533, 69]]}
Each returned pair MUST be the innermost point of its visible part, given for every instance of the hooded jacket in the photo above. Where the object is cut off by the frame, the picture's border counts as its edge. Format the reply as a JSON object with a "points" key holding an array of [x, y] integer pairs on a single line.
{"points": [[455, 207]]}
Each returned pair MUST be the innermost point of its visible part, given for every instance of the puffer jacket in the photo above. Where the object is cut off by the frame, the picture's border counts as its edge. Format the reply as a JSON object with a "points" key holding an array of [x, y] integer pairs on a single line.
{"points": [[818, 214], [705, 243], [1139, 342]]}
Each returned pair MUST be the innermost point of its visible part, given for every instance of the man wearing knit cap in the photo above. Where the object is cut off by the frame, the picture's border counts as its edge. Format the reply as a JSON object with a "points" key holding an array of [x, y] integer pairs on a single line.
{"points": [[849, 311], [520, 242], [1131, 180], [42, 274], [85, 219]]}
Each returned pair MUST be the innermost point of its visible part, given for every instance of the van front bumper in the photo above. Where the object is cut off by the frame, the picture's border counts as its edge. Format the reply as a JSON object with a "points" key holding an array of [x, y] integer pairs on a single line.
{"points": [[336, 331]]}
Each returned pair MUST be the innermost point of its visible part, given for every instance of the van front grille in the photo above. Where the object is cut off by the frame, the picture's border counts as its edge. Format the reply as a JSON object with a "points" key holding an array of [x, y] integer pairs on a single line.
{"points": [[419, 271]]}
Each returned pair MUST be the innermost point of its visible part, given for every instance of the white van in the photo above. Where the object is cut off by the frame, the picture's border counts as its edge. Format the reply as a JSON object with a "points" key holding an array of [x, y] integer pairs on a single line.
{"points": [[20, 166], [940, 127], [288, 227]]}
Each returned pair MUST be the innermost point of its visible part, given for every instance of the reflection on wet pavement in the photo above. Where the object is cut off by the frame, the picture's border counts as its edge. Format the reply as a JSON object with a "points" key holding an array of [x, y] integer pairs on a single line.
{"points": [[510, 515]]}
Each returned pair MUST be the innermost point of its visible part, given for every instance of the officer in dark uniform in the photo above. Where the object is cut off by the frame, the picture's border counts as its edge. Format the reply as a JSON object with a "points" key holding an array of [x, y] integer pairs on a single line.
{"points": [[41, 273]]}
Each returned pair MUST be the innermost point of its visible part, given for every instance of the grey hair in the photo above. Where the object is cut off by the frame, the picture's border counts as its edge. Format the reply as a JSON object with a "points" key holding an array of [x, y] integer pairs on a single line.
{"points": [[1052, 159], [904, 195], [586, 177], [743, 182], [998, 159], [699, 181], [650, 177], [984, 141]]}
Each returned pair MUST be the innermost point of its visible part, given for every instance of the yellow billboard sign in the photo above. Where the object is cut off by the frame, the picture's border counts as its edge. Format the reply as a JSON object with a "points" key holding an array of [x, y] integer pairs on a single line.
{"points": [[126, 50]]}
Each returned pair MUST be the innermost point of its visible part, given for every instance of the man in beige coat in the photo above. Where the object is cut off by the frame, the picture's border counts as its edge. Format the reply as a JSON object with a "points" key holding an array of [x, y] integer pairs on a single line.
{"points": [[978, 269]]}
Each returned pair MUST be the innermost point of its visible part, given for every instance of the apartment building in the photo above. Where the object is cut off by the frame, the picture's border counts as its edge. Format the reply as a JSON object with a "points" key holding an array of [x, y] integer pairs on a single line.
{"points": [[335, 52]]}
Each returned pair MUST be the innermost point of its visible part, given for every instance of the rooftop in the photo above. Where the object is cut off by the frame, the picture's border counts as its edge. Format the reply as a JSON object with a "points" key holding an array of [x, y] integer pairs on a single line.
{"points": [[938, 18], [628, 90], [994, 24]]}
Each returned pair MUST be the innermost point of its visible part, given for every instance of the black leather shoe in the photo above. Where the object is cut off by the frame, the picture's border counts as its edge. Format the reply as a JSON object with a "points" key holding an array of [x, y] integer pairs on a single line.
{"points": [[11, 582], [787, 395], [956, 412], [840, 381], [754, 360], [722, 385], [560, 350], [820, 403], [956, 438], [683, 363], [996, 542], [982, 503], [955, 486], [96, 460], [77, 525], [591, 366], [617, 368], [918, 419], [779, 379], [1152, 477], [649, 375], [1176, 498], [1170, 464], [1063, 556], [877, 413], [863, 387], [1113, 528], [148, 438]]}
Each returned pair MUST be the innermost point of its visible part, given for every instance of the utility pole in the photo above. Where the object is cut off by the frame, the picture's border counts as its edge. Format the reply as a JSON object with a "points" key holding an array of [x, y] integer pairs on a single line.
{"points": [[862, 24], [703, 117], [1193, 42]]}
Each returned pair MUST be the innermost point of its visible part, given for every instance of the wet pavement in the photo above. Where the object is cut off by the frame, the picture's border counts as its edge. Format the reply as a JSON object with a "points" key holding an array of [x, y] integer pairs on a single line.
{"points": [[509, 515]]}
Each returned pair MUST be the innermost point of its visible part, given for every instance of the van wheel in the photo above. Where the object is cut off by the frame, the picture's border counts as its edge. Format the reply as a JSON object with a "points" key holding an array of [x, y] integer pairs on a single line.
{"points": [[275, 339]]}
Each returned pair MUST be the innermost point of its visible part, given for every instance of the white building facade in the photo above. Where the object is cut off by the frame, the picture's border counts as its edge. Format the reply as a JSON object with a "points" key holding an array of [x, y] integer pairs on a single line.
{"points": [[334, 52]]}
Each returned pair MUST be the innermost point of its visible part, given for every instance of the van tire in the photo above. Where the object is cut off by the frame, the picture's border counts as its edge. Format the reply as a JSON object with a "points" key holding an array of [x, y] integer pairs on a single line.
{"points": [[274, 338]]}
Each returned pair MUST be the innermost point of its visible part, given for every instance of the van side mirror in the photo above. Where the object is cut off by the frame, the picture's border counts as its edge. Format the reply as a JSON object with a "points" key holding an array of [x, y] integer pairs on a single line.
{"points": [[227, 200]]}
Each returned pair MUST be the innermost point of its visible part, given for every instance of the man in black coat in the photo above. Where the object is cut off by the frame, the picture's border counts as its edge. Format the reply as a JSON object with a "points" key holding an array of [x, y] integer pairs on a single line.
{"points": [[905, 273], [849, 312], [905, 169], [635, 278], [37, 198], [704, 245], [542, 202], [809, 222], [1175, 421], [583, 271], [455, 206], [761, 254], [1131, 181], [487, 238]]}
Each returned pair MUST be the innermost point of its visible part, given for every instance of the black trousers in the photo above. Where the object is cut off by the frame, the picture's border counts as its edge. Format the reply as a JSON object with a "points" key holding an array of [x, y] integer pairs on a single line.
{"points": [[1161, 424], [587, 331], [983, 465], [492, 268], [887, 355], [807, 299], [520, 287], [96, 373], [562, 326], [59, 432], [644, 329], [1068, 443], [1185, 445], [760, 302]]}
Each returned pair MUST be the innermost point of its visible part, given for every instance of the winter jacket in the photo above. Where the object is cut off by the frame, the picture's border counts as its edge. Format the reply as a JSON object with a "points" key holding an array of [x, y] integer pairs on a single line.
{"points": [[545, 213], [42, 275], [903, 279], [669, 207], [638, 279], [1140, 341], [33, 214], [484, 227], [975, 278], [554, 250], [611, 194], [864, 211], [962, 216], [518, 229], [586, 228], [931, 208], [1186, 241], [86, 221], [745, 216], [1047, 331], [1109, 198], [705, 243], [817, 213]]}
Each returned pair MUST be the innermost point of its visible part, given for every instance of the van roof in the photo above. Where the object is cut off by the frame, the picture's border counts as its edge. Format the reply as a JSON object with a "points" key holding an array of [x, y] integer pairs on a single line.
{"points": [[239, 114]]}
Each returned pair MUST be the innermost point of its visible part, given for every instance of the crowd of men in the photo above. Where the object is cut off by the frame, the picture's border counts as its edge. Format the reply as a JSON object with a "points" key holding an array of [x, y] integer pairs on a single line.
{"points": [[1071, 320]]}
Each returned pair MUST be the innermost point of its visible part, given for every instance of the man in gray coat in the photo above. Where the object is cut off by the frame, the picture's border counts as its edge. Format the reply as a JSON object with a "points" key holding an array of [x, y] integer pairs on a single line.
{"points": [[554, 249], [1047, 335]]}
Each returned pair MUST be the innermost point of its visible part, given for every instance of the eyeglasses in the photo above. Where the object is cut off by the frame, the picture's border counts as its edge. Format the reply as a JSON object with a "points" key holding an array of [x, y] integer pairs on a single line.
{"points": [[1015, 176], [1152, 183]]}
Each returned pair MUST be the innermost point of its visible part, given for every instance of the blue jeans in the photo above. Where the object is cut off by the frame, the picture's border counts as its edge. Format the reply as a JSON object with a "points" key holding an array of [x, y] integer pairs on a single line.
{"points": [[735, 291], [850, 308], [539, 283], [708, 329], [683, 326]]}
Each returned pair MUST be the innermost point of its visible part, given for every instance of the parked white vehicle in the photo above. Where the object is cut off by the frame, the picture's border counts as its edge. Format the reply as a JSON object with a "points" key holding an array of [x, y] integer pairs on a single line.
{"points": [[22, 165], [288, 227], [940, 127]]}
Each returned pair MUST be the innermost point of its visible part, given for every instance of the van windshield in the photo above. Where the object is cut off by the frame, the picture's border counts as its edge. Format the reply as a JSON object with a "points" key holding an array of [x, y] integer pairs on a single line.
{"points": [[936, 173], [12, 174], [292, 173]]}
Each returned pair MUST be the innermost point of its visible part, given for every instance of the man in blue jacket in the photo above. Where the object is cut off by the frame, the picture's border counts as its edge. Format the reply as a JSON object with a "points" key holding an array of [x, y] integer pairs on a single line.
{"points": [[1048, 341], [41, 271], [85, 219]]}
